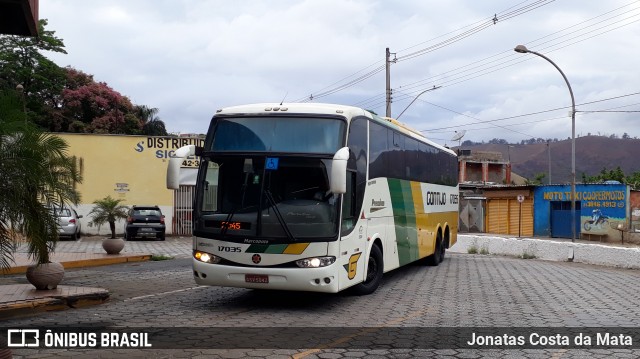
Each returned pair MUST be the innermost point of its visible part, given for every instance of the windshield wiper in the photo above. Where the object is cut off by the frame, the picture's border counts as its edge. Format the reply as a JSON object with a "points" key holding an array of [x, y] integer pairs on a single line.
{"points": [[269, 196], [225, 224], [223, 230]]}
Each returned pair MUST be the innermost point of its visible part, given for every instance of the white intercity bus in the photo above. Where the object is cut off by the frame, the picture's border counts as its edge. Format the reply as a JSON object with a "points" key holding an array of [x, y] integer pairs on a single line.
{"points": [[316, 197]]}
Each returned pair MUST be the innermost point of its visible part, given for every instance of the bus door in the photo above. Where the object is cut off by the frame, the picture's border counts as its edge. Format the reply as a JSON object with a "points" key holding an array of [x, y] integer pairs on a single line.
{"points": [[353, 242]]}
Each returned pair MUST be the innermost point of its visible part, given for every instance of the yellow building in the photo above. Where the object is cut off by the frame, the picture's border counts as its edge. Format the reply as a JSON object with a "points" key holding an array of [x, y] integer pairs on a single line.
{"points": [[133, 168]]}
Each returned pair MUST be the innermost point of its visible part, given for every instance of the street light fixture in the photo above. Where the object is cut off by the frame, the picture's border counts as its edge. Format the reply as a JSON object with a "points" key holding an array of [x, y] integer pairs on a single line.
{"points": [[523, 49], [415, 98], [20, 90]]}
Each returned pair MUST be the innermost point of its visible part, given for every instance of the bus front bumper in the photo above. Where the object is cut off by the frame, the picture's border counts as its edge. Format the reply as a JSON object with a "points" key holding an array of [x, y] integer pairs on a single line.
{"points": [[322, 279]]}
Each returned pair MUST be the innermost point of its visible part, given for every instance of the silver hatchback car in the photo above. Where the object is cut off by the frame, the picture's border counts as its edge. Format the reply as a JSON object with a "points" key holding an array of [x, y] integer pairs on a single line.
{"points": [[68, 223]]}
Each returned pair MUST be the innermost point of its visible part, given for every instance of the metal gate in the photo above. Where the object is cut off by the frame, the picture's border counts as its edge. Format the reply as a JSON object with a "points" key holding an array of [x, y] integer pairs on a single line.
{"points": [[508, 216], [471, 215], [182, 223], [561, 219]]}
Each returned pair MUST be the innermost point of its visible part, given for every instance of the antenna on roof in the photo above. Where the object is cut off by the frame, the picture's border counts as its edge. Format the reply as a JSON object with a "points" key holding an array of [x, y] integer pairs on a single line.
{"points": [[458, 136], [285, 96]]}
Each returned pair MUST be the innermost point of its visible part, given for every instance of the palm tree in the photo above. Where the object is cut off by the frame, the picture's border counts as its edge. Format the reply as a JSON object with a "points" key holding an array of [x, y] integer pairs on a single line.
{"points": [[151, 123], [36, 174], [108, 210]]}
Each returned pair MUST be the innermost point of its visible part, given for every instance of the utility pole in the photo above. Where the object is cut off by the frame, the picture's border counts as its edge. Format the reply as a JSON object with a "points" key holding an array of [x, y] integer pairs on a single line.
{"points": [[388, 66], [549, 150]]}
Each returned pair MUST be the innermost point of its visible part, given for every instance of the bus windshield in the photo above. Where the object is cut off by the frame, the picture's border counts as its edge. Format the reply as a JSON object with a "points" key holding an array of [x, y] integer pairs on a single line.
{"points": [[287, 201], [278, 134]]}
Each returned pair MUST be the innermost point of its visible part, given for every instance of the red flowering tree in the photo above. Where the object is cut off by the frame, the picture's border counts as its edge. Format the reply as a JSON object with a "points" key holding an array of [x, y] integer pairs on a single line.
{"points": [[65, 99], [89, 106]]}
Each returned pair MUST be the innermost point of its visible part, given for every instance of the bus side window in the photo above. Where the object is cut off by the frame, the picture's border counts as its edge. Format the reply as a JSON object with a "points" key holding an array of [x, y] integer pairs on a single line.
{"points": [[210, 200], [349, 203], [356, 173]]}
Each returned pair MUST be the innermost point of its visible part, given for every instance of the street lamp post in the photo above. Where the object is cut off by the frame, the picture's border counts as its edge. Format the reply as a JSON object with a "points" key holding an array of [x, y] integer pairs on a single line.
{"points": [[415, 98], [523, 49]]}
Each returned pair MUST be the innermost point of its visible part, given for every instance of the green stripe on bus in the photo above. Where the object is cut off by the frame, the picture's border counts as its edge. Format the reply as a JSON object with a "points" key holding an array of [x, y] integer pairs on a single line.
{"points": [[411, 223], [276, 248], [404, 219], [267, 248], [257, 248]]}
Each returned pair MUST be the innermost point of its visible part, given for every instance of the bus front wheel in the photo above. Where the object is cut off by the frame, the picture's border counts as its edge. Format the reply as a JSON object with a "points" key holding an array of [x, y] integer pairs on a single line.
{"points": [[374, 273]]}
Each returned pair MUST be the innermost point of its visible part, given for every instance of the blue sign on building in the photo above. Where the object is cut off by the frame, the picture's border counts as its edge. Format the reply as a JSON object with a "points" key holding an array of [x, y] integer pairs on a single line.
{"points": [[599, 209]]}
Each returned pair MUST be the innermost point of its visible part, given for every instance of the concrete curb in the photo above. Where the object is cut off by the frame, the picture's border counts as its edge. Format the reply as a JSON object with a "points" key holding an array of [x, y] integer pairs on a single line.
{"points": [[57, 299], [94, 260], [548, 249]]}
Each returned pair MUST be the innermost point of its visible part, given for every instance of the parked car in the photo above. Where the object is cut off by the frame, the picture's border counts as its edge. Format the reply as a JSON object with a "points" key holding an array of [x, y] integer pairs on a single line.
{"points": [[69, 225], [145, 222]]}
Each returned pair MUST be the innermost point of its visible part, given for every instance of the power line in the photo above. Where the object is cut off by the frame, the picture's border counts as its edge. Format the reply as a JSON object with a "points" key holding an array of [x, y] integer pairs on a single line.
{"points": [[475, 118], [522, 115], [495, 62], [505, 15], [498, 61], [476, 29]]}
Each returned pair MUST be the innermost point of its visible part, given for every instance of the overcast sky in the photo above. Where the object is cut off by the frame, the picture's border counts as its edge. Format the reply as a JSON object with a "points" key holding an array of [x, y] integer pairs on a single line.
{"points": [[190, 57]]}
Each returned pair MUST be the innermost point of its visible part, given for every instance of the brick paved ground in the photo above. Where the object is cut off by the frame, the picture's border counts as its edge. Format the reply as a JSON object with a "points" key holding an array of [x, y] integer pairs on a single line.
{"points": [[465, 291]]}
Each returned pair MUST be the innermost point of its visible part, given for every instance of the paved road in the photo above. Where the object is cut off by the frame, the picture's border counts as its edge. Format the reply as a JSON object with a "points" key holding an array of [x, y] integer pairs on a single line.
{"points": [[178, 247], [464, 291]]}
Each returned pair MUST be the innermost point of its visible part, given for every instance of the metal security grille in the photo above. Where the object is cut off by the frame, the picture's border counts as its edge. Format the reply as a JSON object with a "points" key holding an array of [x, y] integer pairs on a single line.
{"points": [[471, 215], [508, 216], [182, 210]]}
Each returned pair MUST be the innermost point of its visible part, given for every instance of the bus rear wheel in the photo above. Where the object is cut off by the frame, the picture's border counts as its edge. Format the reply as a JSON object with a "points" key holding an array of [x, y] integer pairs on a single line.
{"points": [[374, 273], [438, 254]]}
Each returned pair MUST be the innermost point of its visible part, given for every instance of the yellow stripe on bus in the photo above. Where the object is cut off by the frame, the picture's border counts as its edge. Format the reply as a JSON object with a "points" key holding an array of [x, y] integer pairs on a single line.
{"points": [[425, 240], [296, 248]]}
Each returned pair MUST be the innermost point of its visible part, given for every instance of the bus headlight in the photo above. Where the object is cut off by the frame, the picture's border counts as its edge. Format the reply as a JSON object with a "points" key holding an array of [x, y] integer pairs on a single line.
{"points": [[206, 257], [315, 262]]}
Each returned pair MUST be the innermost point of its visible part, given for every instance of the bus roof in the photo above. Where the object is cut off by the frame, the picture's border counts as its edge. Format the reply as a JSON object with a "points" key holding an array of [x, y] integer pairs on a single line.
{"points": [[324, 109], [306, 108]]}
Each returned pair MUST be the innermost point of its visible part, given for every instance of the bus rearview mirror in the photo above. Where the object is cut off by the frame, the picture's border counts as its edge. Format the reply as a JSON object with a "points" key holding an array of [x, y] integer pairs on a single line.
{"points": [[339, 171], [173, 169]]}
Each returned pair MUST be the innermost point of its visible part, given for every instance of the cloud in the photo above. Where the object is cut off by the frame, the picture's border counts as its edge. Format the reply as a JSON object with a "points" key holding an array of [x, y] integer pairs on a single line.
{"points": [[188, 58]]}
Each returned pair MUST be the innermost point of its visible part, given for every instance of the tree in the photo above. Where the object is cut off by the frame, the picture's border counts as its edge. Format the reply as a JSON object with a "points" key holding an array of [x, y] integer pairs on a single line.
{"points": [[108, 210], [96, 107], [498, 141], [605, 175], [538, 180], [65, 99], [36, 174], [632, 180], [151, 123], [22, 63]]}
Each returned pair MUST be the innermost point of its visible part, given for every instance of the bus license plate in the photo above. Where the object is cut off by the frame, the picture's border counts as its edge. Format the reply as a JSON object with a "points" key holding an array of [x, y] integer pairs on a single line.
{"points": [[256, 278]]}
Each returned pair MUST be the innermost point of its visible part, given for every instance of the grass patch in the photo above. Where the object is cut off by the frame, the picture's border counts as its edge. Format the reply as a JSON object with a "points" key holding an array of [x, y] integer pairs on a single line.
{"points": [[484, 250], [160, 257], [472, 249], [527, 255]]}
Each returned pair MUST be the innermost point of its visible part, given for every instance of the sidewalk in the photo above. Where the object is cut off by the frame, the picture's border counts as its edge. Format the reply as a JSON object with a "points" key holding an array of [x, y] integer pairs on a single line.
{"points": [[19, 299], [552, 249]]}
